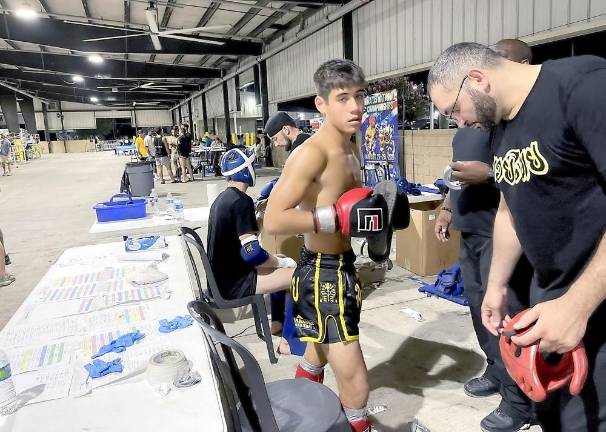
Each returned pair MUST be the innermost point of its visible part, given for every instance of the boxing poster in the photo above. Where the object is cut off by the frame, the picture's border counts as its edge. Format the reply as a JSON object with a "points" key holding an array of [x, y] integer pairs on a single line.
{"points": [[380, 137]]}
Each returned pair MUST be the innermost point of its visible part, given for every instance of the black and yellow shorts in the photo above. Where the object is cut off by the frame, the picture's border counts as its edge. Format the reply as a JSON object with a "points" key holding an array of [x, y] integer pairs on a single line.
{"points": [[327, 297]]}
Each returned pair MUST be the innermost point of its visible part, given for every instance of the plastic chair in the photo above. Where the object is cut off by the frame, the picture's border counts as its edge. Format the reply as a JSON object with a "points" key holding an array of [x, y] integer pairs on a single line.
{"points": [[211, 294], [290, 405]]}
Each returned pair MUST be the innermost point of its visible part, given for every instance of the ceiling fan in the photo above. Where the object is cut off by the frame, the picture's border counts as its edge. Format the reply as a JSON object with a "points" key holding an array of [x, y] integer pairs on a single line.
{"points": [[151, 15], [146, 86]]}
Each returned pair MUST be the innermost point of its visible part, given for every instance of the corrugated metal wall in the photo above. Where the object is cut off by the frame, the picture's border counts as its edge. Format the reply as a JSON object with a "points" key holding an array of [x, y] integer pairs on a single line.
{"points": [[290, 73], [231, 92], [398, 35], [87, 119], [214, 102], [152, 118]]}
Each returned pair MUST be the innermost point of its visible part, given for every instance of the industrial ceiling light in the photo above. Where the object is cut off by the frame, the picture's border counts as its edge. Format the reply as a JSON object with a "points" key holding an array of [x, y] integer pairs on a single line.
{"points": [[94, 99], [27, 13], [78, 78], [95, 58]]}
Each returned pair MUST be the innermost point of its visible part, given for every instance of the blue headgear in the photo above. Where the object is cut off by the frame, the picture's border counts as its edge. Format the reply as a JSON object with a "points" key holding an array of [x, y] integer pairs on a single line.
{"points": [[236, 165]]}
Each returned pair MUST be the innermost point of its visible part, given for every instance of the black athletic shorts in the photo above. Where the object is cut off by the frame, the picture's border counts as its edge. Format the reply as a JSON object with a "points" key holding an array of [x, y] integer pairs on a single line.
{"points": [[327, 297]]}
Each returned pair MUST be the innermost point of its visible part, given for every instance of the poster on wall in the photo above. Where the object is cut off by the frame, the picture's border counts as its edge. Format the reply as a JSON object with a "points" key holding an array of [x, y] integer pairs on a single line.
{"points": [[380, 137]]}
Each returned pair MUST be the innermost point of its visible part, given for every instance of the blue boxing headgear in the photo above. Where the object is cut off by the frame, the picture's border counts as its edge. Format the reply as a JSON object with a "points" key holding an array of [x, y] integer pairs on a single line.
{"points": [[236, 165]]}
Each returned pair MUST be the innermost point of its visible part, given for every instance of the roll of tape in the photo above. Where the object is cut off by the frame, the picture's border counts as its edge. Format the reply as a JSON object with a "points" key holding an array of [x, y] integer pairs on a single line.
{"points": [[165, 366], [448, 179]]}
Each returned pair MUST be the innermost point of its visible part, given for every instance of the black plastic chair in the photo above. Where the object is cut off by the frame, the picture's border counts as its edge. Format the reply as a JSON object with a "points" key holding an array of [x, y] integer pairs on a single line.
{"points": [[290, 405], [210, 293]]}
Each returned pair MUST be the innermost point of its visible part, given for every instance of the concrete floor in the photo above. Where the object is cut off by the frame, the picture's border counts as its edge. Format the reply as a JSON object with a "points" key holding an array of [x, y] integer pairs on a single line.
{"points": [[416, 369]]}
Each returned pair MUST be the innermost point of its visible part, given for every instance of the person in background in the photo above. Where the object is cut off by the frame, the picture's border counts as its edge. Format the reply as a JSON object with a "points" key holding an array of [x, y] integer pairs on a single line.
{"points": [[5, 155], [140, 144], [184, 150], [162, 152], [173, 142], [283, 132], [5, 278], [151, 150], [7, 260]]}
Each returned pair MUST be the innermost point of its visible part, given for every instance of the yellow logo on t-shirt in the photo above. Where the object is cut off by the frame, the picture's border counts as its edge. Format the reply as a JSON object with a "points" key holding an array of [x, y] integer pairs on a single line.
{"points": [[518, 164]]}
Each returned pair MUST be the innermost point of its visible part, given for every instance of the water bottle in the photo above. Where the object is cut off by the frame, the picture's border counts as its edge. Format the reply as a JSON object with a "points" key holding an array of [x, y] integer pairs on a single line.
{"points": [[153, 199], [179, 210], [170, 204], [8, 395]]}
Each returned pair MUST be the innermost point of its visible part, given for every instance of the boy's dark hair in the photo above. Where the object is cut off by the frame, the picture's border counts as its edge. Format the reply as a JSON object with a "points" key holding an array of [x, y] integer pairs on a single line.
{"points": [[338, 74]]}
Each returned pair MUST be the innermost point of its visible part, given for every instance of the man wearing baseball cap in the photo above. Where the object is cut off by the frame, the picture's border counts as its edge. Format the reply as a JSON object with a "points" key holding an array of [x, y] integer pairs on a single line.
{"points": [[283, 131]]}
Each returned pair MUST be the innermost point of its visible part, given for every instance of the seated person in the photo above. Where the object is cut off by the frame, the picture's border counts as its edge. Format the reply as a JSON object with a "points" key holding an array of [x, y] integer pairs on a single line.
{"points": [[240, 265]]}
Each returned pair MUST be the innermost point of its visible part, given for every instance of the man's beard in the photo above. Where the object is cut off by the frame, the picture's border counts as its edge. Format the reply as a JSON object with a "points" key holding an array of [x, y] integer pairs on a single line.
{"points": [[288, 143], [485, 107]]}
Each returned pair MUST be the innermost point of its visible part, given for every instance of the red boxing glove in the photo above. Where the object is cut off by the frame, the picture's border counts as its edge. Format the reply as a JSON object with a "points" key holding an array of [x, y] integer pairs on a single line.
{"points": [[357, 213]]}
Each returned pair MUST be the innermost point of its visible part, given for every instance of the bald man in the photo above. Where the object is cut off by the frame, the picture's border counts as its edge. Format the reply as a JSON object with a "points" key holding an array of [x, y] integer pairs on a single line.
{"points": [[472, 211], [514, 50]]}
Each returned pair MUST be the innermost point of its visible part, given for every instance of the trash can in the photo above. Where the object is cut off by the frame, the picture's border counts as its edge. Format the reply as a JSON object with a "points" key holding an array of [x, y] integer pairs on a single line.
{"points": [[141, 178]]}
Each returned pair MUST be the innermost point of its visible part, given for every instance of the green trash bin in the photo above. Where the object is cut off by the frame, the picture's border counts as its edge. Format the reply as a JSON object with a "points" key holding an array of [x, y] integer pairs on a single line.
{"points": [[141, 177]]}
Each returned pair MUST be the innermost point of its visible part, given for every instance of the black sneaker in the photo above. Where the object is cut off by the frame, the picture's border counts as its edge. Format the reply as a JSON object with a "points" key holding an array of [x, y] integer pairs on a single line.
{"points": [[499, 421], [480, 387], [7, 260]]}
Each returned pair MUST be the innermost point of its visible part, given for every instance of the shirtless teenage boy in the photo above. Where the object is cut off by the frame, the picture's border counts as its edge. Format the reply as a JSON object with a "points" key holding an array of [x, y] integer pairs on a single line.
{"points": [[319, 194]]}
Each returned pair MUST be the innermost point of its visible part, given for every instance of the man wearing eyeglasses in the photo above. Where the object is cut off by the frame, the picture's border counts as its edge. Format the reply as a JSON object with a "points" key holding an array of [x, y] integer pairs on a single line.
{"points": [[472, 211], [549, 162]]}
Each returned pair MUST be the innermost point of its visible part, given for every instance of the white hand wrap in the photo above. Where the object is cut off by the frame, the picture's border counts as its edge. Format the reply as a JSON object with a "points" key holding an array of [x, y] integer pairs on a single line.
{"points": [[286, 262], [325, 219]]}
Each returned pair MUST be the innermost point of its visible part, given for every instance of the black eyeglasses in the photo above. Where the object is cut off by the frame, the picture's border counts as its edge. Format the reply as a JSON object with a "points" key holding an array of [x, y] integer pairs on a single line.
{"points": [[457, 99]]}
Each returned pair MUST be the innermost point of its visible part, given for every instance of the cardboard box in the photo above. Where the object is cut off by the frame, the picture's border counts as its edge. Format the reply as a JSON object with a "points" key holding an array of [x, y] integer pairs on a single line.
{"points": [[419, 251], [282, 244]]}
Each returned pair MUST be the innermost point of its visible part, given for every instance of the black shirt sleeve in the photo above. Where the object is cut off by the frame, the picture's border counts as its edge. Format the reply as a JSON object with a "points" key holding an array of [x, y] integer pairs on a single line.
{"points": [[244, 216], [586, 113]]}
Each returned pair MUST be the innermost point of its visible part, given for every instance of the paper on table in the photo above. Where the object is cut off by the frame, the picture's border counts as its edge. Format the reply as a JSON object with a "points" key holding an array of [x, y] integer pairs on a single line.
{"points": [[89, 344], [93, 289], [29, 334], [30, 358], [88, 305], [156, 255], [116, 318], [107, 274], [54, 383]]}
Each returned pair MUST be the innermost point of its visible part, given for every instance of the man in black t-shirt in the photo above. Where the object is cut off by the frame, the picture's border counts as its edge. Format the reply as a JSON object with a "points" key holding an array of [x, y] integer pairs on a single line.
{"points": [[162, 160], [550, 165], [472, 209], [283, 132], [240, 265], [184, 150]]}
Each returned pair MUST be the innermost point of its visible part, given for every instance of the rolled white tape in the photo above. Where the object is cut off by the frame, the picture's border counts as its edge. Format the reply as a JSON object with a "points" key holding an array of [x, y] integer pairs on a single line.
{"points": [[448, 179], [212, 192], [165, 366]]}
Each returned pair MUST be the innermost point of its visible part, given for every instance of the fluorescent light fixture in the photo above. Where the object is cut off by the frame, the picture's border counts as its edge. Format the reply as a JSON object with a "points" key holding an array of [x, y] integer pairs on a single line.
{"points": [[94, 99], [77, 78], [26, 13], [95, 58]]}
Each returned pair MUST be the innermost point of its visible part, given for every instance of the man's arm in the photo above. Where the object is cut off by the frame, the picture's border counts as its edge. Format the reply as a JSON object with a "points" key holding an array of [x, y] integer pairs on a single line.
{"points": [[262, 258], [443, 220], [506, 248], [506, 252], [281, 215], [560, 324]]}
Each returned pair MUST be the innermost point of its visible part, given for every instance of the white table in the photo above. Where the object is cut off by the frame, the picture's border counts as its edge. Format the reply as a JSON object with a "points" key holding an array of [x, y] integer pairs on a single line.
{"points": [[151, 224], [130, 404]]}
